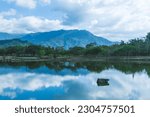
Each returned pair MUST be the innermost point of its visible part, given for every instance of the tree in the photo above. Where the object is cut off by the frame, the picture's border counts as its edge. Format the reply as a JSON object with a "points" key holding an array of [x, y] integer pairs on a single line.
{"points": [[147, 43], [122, 42], [41, 52], [91, 45], [76, 50], [93, 51], [148, 37]]}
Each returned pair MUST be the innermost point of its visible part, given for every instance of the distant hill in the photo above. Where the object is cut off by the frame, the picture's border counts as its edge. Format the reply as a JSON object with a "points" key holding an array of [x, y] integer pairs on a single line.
{"points": [[6, 36], [13, 42], [60, 38], [66, 38]]}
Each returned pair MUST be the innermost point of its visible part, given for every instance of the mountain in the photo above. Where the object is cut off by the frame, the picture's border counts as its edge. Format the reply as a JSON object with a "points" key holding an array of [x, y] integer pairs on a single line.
{"points": [[59, 38], [66, 38], [6, 36], [13, 42]]}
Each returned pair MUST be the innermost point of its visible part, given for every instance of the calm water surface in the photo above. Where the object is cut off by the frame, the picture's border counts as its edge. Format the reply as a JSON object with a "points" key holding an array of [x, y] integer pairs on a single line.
{"points": [[79, 81]]}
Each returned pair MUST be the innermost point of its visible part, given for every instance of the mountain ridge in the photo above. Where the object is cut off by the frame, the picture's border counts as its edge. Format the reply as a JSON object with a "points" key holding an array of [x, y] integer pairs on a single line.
{"points": [[7, 36], [64, 38], [13, 42]]}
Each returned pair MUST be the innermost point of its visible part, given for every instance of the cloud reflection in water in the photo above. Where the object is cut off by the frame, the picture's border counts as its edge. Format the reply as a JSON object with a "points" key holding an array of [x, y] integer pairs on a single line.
{"points": [[28, 85]]}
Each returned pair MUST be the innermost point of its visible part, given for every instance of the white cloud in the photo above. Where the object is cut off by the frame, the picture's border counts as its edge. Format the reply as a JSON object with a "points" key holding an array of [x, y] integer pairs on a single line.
{"points": [[114, 19], [35, 24], [46, 1], [29, 24], [10, 12], [31, 4]]}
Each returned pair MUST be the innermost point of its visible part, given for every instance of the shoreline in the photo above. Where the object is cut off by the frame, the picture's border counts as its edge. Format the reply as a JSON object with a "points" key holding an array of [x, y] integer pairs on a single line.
{"points": [[74, 58]]}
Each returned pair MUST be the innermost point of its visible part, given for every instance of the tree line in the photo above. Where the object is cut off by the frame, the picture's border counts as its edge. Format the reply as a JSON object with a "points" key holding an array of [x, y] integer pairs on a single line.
{"points": [[134, 47]]}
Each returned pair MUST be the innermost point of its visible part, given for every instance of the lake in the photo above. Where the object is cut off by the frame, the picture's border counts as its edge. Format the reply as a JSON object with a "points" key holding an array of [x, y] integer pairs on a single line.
{"points": [[75, 81]]}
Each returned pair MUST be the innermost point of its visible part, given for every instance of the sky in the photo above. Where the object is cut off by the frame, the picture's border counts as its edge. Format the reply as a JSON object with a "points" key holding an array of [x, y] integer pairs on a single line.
{"points": [[113, 19]]}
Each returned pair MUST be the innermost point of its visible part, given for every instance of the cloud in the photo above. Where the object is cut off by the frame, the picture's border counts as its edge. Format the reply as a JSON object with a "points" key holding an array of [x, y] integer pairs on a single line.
{"points": [[36, 24], [31, 4], [46, 1], [28, 24], [114, 19], [73, 11], [10, 12]]}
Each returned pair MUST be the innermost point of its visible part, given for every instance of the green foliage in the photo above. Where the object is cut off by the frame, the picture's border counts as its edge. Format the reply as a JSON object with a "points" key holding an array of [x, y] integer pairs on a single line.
{"points": [[93, 51], [135, 47], [76, 51], [90, 45]]}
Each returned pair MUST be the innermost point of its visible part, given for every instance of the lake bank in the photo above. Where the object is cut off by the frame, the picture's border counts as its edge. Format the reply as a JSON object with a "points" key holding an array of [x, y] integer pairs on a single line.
{"points": [[74, 58]]}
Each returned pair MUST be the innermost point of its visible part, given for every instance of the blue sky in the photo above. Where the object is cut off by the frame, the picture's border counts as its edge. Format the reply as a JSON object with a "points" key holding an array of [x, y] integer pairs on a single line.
{"points": [[113, 19]]}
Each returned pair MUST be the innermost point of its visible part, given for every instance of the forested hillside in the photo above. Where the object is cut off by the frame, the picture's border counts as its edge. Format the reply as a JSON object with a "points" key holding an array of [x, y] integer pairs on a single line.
{"points": [[135, 47]]}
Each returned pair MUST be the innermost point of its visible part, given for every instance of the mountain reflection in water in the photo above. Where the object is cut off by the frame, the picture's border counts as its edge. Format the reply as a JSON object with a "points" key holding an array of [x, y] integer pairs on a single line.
{"points": [[78, 80]]}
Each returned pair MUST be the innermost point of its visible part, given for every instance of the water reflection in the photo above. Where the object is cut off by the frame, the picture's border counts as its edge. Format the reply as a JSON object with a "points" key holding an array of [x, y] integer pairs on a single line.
{"points": [[65, 80]]}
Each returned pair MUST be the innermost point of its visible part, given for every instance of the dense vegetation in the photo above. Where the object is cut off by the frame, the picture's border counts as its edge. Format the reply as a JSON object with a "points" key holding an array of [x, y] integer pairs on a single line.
{"points": [[135, 47]]}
